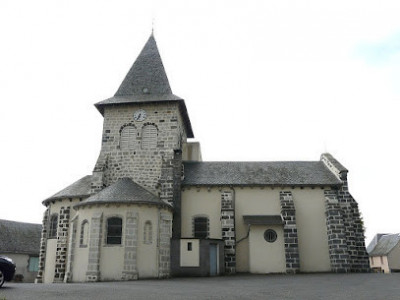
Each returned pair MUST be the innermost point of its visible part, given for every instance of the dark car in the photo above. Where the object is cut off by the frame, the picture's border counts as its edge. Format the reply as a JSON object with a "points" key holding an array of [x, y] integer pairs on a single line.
{"points": [[7, 269]]}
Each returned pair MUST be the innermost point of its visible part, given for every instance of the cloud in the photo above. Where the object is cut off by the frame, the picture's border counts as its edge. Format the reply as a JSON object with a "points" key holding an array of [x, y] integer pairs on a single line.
{"points": [[381, 52]]}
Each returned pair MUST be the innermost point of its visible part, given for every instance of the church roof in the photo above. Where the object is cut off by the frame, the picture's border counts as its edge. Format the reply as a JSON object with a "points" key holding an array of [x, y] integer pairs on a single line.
{"points": [[385, 244], [147, 82], [79, 189], [18, 237], [123, 191], [288, 173]]}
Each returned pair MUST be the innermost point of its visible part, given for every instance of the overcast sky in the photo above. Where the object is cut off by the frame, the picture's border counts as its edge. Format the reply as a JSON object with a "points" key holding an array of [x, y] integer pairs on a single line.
{"points": [[262, 80]]}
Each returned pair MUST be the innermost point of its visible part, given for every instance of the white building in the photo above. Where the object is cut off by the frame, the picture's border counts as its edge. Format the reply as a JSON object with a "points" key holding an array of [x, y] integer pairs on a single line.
{"points": [[152, 208]]}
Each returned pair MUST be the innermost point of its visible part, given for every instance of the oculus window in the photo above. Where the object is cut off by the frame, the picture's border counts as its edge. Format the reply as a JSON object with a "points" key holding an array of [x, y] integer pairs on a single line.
{"points": [[270, 235]]}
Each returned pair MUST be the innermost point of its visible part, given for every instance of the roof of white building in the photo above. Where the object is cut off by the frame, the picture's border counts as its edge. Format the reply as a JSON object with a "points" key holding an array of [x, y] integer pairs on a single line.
{"points": [[19, 238], [385, 244]]}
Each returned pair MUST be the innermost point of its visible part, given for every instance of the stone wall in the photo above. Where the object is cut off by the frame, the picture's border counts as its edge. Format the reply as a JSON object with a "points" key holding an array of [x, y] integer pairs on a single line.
{"points": [[131, 240], [290, 232], [337, 240], [43, 245], [353, 226], [62, 243], [228, 230], [142, 165], [165, 230], [95, 234]]}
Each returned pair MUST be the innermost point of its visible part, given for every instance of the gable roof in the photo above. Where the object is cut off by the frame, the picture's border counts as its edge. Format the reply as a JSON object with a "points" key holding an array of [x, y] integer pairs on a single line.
{"points": [[123, 191], [79, 189], [147, 82], [18, 237], [385, 244], [288, 173]]}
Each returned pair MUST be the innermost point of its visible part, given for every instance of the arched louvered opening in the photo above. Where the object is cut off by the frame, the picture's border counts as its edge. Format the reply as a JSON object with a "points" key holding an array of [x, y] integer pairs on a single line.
{"points": [[84, 233], [148, 233], [149, 136], [128, 138], [53, 226]]}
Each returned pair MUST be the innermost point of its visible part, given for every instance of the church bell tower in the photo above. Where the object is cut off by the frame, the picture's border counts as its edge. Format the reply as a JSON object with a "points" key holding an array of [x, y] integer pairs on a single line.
{"points": [[145, 126]]}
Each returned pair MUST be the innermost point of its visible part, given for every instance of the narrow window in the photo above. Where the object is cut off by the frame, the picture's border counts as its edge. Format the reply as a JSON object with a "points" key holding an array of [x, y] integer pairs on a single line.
{"points": [[148, 233], [114, 231], [149, 137], [200, 227], [128, 138], [53, 226], [33, 265], [189, 246], [84, 233]]}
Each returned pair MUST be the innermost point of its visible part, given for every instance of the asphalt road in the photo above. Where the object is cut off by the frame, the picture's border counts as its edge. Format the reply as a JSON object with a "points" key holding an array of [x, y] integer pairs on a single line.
{"points": [[302, 286]]}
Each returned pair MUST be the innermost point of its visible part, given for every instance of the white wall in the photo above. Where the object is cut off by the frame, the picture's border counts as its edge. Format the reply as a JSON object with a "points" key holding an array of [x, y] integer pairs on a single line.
{"points": [[266, 257]]}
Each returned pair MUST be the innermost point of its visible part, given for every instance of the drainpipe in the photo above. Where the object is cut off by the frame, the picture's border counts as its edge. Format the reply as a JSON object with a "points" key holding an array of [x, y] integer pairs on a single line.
{"points": [[247, 235]]}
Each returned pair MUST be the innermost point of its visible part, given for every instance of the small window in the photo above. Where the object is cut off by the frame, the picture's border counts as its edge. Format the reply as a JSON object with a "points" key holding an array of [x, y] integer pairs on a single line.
{"points": [[33, 265], [200, 227], [84, 233], [114, 231], [270, 235], [53, 226], [189, 246], [128, 138], [148, 233], [382, 260], [149, 137]]}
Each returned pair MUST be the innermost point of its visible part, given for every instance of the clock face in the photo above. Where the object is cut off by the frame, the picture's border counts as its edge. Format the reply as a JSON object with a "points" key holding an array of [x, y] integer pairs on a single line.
{"points": [[139, 115]]}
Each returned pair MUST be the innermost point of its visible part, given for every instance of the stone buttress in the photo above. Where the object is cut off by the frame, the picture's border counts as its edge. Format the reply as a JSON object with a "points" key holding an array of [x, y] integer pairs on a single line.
{"points": [[344, 224]]}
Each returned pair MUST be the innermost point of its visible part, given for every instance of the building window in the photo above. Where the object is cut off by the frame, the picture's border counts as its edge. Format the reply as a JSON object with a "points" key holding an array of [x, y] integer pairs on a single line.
{"points": [[189, 246], [53, 226], [382, 260], [114, 231], [128, 139], [270, 235], [84, 233], [33, 265], [149, 136], [200, 227], [148, 233]]}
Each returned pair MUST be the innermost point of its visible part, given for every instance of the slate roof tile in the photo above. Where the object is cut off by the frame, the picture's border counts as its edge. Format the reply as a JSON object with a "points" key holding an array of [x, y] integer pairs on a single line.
{"points": [[385, 244], [289, 173], [18, 237]]}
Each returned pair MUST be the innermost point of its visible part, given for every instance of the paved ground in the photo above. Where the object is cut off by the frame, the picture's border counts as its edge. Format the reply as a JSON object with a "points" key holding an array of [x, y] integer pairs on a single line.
{"points": [[304, 286]]}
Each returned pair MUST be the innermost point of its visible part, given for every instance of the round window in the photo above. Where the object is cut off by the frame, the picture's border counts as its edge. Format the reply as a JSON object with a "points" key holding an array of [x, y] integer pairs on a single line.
{"points": [[270, 235]]}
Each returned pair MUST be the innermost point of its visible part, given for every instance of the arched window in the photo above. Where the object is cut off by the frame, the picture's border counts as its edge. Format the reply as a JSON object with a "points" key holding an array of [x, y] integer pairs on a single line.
{"points": [[84, 233], [128, 138], [149, 136], [114, 231], [53, 226], [148, 233], [200, 227]]}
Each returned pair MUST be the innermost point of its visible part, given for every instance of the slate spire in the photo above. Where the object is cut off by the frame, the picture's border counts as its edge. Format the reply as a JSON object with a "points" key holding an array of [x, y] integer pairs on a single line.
{"points": [[147, 75]]}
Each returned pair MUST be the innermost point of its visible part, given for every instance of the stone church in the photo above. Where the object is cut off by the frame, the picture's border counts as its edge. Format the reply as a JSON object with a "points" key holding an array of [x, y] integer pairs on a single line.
{"points": [[153, 209]]}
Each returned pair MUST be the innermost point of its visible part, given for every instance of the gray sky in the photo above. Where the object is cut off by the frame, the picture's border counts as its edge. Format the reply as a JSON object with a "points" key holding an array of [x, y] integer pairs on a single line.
{"points": [[263, 80]]}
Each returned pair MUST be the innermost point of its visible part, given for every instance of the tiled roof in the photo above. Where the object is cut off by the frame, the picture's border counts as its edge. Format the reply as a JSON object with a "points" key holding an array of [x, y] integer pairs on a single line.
{"points": [[147, 82], [78, 189], [18, 237], [121, 192], [310, 173], [385, 244]]}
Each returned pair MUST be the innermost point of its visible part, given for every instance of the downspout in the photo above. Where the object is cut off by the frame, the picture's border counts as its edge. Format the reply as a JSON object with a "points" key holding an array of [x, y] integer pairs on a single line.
{"points": [[247, 235]]}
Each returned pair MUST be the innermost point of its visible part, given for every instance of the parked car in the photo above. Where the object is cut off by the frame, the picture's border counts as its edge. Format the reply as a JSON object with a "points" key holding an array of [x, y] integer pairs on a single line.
{"points": [[7, 269]]}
